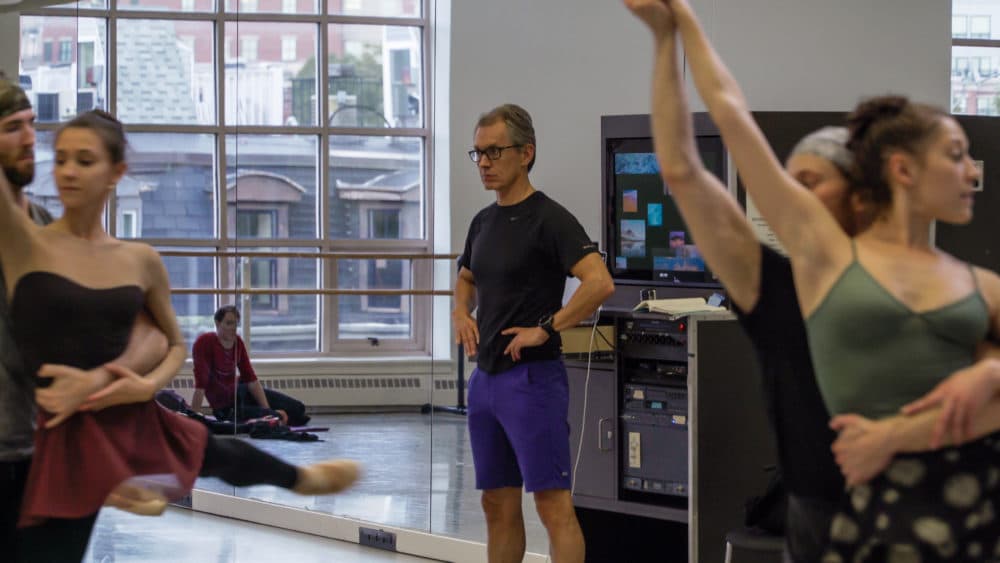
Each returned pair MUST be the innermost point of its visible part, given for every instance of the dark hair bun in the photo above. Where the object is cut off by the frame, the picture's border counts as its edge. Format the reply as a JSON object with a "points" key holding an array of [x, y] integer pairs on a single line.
{"points": [[878, 126], [870, 111]]}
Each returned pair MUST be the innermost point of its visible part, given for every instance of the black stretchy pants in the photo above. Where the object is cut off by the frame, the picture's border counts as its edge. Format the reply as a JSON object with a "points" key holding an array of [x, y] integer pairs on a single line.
{"points": [[13, 475], [246, 407], [240, 464], [64, 540]]}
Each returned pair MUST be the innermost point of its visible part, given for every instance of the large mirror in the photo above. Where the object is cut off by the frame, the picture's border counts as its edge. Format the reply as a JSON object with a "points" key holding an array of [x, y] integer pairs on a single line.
{"points": [[280, 166]]}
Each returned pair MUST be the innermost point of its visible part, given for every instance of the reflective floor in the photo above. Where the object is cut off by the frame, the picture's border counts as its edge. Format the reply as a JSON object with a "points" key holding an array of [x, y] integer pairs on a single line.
{"points": [[416, 476], [193, 537]]}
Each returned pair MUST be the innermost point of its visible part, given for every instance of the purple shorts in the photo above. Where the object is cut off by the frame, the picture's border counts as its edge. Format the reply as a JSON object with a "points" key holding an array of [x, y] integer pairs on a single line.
{"points": [[518, 427]]}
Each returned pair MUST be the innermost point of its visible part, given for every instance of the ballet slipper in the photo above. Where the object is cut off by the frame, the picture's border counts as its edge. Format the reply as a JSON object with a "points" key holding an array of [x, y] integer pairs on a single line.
{"points": [[137, 500], [327, 477]]}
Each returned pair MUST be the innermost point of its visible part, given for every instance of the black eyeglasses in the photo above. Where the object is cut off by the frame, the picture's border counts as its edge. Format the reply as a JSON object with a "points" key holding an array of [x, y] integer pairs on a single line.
{"points": [[492, 153]]}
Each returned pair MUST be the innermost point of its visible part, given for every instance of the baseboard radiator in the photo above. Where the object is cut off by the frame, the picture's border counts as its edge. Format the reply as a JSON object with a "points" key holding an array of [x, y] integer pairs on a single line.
{"points": [[351, 390]]}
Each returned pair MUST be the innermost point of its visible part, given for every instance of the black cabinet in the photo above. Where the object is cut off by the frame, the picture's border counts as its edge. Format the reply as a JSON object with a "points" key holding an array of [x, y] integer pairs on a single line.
{"points": [[593, 429], [726, 447]]}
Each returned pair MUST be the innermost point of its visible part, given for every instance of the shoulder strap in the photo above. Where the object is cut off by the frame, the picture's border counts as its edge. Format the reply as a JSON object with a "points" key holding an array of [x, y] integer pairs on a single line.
{"points": [[975, 279]]}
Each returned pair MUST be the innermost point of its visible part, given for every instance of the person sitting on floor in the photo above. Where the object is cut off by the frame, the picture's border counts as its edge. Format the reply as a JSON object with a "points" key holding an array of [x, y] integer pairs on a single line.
{"points": [[217, 355]]}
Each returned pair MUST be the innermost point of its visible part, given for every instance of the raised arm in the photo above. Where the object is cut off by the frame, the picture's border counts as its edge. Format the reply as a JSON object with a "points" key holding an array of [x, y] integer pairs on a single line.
{"points": [[804, 227], [16, 233], [717, 222], [466, 331]]}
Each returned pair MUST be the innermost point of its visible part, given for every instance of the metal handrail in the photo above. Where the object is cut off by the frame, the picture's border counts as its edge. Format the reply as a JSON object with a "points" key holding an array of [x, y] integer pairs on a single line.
{"points": [[288, 291], [324, 255], [317, 255]]}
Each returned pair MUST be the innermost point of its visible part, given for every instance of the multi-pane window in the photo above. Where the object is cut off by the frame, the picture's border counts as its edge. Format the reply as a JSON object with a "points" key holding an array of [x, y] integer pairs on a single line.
{"points": [[979, 27], [383, 223], [310, 136], [65, 50], [289, 47], [248, 49], [127, 225], [975, 57], [986, 106]]}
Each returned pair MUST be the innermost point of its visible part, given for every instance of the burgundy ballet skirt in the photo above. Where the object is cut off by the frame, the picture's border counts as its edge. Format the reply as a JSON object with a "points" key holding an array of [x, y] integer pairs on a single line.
{"points": [[78, 463]]}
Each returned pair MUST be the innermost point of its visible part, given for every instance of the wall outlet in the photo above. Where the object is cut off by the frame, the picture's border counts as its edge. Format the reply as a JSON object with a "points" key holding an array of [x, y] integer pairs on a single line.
{"points": [[377, 538]]}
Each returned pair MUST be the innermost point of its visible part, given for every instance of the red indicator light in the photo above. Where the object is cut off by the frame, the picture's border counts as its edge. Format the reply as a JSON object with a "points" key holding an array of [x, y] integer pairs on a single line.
{"points": [[682, 327]]}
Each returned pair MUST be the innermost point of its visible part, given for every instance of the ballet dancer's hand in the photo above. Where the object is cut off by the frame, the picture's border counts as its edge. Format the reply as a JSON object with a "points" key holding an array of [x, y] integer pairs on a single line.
{"points": [[525, 337], [282, 415], [466, 332], [70, 388], [960, 397], [654, 13], [863, 447], [130, 387]]}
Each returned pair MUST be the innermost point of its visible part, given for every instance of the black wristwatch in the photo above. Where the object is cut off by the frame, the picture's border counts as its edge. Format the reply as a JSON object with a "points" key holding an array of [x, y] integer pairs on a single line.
{"points": [[546, 325]]}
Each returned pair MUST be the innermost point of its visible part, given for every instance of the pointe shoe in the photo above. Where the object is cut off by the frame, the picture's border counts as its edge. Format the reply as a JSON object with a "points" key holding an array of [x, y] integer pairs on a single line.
{"points": [[137, 501], [327, 477]]}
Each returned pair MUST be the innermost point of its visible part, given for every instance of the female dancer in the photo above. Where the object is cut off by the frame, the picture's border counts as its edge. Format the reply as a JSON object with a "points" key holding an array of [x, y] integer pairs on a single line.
{"points": [[759, 282], [74, 292], [888, 315]]}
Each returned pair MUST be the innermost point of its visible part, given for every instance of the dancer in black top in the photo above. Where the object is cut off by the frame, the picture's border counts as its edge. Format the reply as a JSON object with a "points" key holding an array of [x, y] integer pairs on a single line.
{"points": [[95, 285]]}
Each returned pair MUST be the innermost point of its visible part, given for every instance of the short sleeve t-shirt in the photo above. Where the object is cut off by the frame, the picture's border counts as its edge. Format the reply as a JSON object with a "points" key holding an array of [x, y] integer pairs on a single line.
{"points": [[520, 256], [794, 403], [17, 389]]}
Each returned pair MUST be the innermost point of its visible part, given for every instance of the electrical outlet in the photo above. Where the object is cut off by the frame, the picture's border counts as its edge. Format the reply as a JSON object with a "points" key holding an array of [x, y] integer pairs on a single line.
{"points": [[377, 538]]}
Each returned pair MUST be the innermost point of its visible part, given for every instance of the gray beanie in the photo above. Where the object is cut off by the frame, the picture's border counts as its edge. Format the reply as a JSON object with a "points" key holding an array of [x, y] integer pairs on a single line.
{"points": [[829, 143], [12, 97]]}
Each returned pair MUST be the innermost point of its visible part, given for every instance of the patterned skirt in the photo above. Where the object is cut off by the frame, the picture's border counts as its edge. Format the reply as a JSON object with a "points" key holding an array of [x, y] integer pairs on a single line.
{"points": [[932, 506]]}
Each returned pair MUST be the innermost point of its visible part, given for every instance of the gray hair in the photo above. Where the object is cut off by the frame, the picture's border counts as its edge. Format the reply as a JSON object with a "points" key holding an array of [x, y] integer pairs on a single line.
{"points": [[518, 122], [829, 143]]}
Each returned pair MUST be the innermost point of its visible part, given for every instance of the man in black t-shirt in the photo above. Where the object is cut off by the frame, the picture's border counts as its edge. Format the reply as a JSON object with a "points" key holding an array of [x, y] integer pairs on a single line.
{"points": [[513, 271]]}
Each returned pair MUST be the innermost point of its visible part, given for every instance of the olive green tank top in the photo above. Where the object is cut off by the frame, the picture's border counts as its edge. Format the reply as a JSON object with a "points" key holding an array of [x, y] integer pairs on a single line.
{"points": [[873, 354]]}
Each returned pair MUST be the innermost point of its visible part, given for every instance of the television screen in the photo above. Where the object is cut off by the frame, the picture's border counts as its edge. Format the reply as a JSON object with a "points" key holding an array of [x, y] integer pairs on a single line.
{"points": [[649, 241]]}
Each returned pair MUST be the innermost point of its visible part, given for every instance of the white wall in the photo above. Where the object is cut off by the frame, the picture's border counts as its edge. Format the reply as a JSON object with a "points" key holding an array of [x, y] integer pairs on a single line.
{"points": [[570, 61]]}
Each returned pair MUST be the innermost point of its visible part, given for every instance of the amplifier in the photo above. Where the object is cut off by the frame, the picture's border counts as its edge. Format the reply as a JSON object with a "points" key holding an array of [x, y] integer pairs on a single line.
{"points": [[654, 338], [654, 449]]}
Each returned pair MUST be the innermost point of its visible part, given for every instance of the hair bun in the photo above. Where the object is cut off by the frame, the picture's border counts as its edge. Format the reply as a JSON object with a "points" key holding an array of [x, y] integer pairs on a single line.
{"points": [[870, 111]]}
